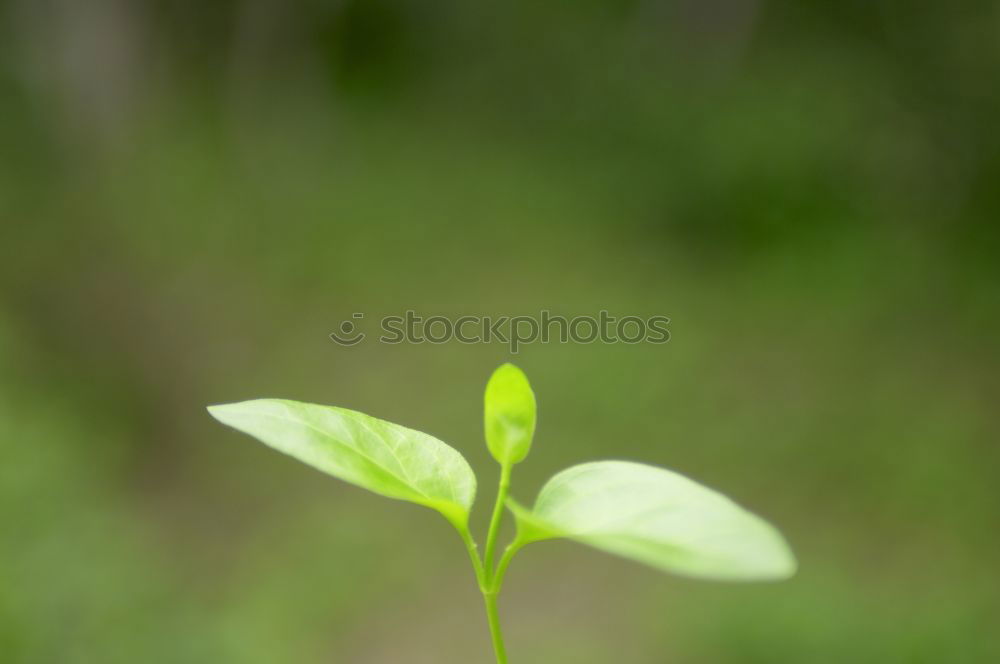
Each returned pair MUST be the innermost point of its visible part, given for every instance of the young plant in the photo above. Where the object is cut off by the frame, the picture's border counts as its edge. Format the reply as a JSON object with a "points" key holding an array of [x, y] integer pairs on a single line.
{"points": [[648, 514]]}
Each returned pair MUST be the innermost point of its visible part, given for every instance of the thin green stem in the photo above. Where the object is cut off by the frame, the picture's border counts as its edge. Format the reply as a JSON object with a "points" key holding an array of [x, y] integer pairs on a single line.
{"points": [[494, 531], [496, 583], [490, 580], [477, 565], [493, 617], [487, 584]]}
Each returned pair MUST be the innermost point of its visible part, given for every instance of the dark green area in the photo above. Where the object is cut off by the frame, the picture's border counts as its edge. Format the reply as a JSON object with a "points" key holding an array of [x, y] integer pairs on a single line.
{"points": [[194, 195]]}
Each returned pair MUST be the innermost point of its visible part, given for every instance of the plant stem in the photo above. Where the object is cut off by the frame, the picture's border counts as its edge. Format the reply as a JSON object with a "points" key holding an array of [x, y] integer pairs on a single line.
{"points": [[477, 565], [497, 581], [486, 572], [496, 634], [491, 537]]}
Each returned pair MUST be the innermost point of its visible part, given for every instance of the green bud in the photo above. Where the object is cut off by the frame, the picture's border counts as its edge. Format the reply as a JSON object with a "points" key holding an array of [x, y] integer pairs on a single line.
{"points": [[510, 414]]}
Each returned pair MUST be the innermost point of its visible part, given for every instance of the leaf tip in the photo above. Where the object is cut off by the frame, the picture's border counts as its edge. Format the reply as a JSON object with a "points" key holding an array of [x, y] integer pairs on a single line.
{"points": [[788, 567], [779, 563], [223, 412], [216, 409]]}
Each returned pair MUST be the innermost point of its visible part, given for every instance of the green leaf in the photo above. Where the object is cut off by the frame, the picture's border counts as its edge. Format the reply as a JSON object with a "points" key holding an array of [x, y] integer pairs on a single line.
{"points": [[656, 517], [385, 458], [509, 414]]}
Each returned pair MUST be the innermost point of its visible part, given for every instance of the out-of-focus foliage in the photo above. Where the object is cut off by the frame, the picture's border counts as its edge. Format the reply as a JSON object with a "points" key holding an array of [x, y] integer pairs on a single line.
{"points": [[193, 195]]}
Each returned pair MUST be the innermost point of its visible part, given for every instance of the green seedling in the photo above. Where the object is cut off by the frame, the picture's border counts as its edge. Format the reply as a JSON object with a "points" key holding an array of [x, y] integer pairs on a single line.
{"points": [[641, 512]]}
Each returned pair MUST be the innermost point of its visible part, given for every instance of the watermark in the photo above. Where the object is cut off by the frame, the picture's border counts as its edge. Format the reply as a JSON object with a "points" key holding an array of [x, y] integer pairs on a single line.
{"points": [[514, 331]]}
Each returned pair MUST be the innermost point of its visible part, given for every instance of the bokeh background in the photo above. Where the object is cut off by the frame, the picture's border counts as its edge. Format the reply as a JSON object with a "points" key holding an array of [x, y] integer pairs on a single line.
{"points": [[194, 195]]}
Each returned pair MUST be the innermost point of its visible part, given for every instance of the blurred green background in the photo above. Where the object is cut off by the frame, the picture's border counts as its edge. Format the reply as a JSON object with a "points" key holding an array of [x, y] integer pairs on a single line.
{"points": [[194, 195]]}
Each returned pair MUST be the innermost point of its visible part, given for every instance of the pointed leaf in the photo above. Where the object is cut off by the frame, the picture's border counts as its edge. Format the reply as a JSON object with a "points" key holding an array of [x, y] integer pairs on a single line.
{"points": [[656, 517], [385, 458]]}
